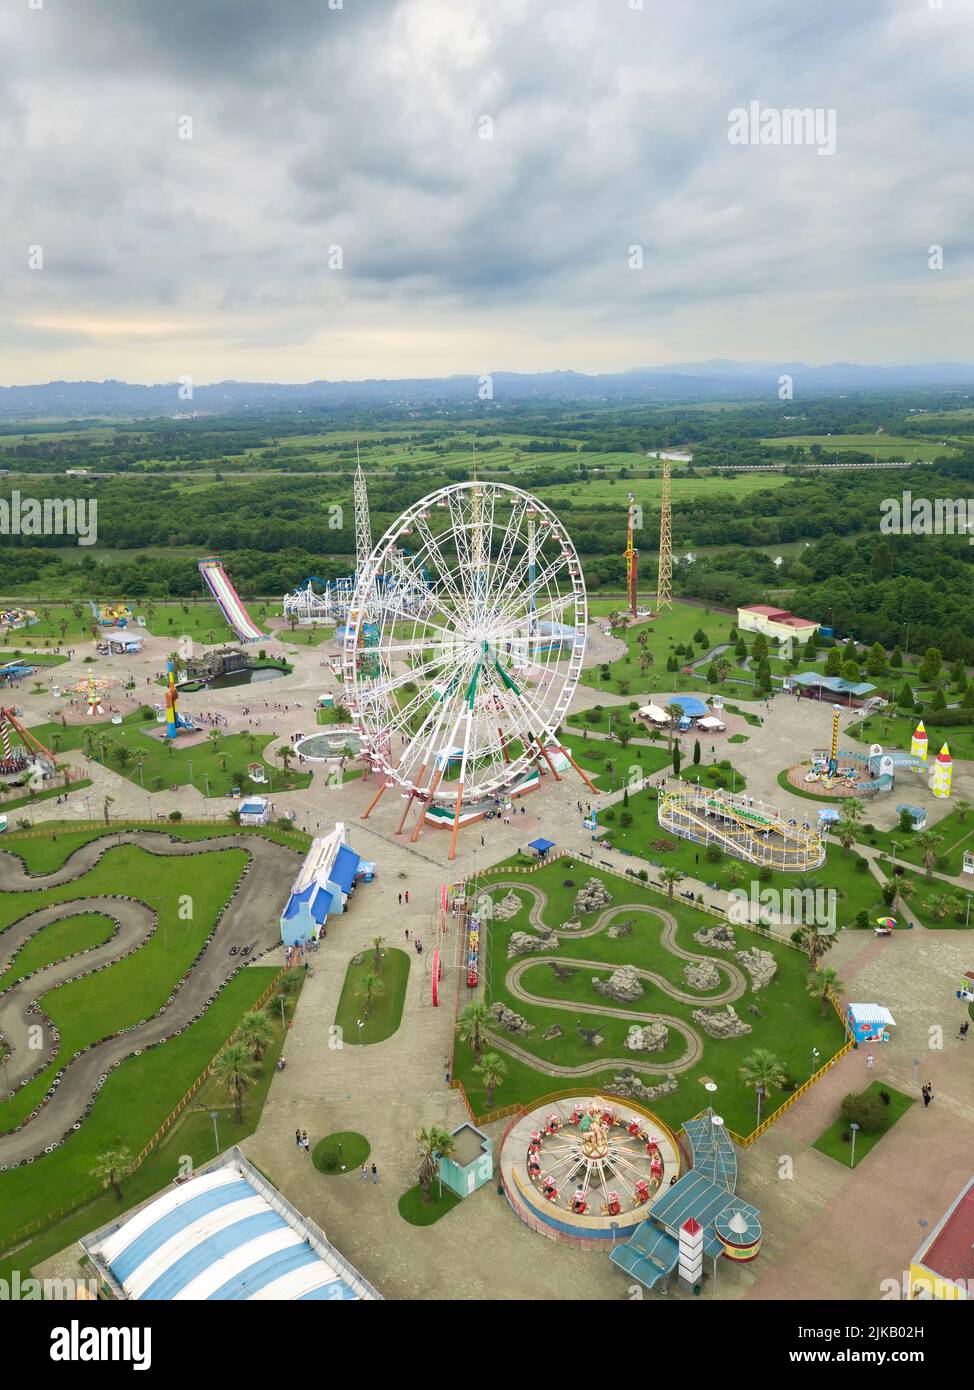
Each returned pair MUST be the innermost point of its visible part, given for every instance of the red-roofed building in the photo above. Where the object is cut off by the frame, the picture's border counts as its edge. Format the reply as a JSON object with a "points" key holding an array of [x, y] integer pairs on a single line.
{"points": [[943, 1267], [774, 622]]}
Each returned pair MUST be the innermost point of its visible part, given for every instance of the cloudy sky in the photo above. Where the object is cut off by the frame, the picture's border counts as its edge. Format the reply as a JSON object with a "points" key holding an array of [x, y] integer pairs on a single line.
{"points": [[360, 133]]}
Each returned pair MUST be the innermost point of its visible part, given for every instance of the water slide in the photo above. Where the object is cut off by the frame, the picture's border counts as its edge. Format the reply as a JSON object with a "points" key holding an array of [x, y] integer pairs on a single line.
{"points": [[218, 583]]}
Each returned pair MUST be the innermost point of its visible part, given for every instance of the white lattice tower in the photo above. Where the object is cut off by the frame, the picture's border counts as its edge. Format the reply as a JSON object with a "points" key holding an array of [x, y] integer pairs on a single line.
{"points": [[363, 524], [690, 1270]]}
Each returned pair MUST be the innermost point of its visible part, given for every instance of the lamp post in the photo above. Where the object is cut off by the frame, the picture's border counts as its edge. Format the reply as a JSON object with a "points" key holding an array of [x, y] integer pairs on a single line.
{"points": [[216, 1132], [815, 1057], [967, 917], [283, 1019], [360, 1023], [916, 1076], [852, 1157]]}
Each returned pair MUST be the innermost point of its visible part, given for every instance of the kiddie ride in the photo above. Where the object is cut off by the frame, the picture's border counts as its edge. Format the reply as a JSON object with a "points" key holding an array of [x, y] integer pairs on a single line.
{"points": [[594, 1146]]}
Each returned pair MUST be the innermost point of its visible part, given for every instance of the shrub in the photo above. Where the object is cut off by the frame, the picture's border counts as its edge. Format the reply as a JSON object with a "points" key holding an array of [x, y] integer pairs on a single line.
{"points": [[609, 815], [885, 1097], [865, 1110], [862, 919], [625, 820], [175, 815], [714, 854], [861, 865], [765, 873], [642, 875]]}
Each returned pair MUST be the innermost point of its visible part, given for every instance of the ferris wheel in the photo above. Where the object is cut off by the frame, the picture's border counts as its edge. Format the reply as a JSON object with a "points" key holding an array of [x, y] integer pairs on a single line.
{"points": [[462, 650]]}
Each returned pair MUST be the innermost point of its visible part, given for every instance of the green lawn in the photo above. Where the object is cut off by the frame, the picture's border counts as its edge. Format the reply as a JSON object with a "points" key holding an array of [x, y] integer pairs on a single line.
{"points": [[882, 446], [957, 835], [16, 802], [413, 1209], [386, 1011], [134, 988], [154, 763], [135, 1099], [836, 1142], [610, 765], [44, 851], [67, 937], [674, 626], [790, 1024], [896, 731], [342, 1152]]}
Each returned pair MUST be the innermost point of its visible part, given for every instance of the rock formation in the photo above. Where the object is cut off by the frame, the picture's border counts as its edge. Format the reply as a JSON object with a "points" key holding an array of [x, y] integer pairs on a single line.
{"points": [[651, 1037], [523, 942], [623, 985], [701, 974], [628, 1086], [720, 1023], [720, 937], [510, 1021], [760, 965], [593, 896], [507, 908]]}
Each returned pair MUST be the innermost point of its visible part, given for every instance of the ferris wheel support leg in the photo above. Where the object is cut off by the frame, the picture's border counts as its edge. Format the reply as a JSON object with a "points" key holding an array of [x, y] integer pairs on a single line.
{"points": [[425, 799], [584, 775], [409, 802], [544, 754], [456, 822], [374, 802], [504, 748]]}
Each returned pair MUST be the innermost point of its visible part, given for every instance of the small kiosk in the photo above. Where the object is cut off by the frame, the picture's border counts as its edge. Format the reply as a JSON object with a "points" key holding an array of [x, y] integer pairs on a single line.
{"points": [[869, 1022]]}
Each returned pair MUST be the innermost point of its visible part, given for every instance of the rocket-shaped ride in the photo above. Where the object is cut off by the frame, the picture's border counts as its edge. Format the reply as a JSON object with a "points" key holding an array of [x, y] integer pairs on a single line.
{"points": [[918, 743], [941, 773]]}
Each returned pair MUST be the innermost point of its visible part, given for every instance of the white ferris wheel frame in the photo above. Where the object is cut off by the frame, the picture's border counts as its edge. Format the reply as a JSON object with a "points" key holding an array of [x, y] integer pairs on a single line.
{"points": [[477, 634]]}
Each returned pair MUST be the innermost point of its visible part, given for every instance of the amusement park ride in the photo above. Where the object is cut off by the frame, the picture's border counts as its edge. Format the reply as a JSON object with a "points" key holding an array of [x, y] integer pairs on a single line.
{"points": [[17, 762], [458, 700]]}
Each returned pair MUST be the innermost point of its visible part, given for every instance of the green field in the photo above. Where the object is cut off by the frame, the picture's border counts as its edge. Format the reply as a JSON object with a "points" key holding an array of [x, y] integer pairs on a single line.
{"points": [[836, 1142], [790, 1023], [154, 763], [882, 446], [385, 1014], [134, 988]]}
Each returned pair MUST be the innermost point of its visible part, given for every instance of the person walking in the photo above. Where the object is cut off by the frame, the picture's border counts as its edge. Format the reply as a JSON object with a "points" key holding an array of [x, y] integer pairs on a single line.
{"points": [[407, 933], [305, 1143], [400, 900], [297, 1137], [926, 1090], [407, 895], [365, 1171], [375, 1173], [963, 1030]]}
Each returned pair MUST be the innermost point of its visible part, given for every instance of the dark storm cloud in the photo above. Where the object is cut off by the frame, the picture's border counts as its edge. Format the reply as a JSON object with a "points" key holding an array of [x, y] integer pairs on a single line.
{"points": [[359, 128]]}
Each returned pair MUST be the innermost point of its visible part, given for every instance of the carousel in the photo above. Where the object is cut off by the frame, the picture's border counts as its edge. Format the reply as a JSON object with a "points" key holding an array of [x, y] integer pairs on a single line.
{"points": [[588, 1168]]}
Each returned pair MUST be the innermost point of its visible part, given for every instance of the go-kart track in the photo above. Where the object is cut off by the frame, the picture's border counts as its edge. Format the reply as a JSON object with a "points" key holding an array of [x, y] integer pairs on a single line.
{"points": [[250, 919]]}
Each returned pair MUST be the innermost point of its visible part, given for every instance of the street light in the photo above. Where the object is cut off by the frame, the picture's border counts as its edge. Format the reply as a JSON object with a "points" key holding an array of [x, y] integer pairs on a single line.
{"points": [[815, 1057], [283, 1020], [916, 1076], [216, 1132], [967, 918], [852, 1160]]}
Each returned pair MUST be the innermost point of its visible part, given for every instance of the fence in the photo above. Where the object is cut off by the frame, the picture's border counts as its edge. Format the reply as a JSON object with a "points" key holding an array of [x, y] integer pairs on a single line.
{"points": [[294, 839]]}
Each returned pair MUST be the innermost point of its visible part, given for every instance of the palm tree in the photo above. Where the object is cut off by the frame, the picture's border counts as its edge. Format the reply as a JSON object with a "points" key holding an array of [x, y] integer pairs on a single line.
{"points": [[962, 809], [671, 877], [472, 1025], [762, 1071], [109, 1167], [236, 1070], [434, 1143], [377, 944], [845, 833], [902, 889], [109, 802], [286, 755], [816, 943], [492, 1069], [822, 983], [255, 1032], [675, 713], [927, 841], [372, 987], [214, 735], [853, 810]]}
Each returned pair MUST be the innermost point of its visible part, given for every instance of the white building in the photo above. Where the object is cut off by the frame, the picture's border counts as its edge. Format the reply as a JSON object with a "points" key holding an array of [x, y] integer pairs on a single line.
{"points": [[322, 888], [774, 622]]}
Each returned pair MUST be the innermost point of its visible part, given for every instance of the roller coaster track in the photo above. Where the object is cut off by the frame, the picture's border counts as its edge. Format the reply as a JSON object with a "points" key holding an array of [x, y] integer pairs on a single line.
{"points": [[245, 921], [633, 1060]]}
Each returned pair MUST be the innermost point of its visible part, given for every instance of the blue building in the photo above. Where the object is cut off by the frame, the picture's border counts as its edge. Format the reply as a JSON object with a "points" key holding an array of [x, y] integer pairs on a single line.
{"points": [[322, 888]]}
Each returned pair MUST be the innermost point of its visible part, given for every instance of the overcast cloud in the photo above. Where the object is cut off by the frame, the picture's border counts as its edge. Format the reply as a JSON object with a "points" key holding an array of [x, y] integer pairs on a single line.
{"points": [[359, 127]]}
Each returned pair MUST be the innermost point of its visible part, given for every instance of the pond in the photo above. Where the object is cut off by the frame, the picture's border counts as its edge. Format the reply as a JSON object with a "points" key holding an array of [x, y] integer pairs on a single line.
{"points": [[250, 677]]}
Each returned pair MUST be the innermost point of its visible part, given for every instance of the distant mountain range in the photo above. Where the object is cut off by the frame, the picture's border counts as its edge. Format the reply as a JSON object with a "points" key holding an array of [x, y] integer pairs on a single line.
{"points": [[679, 382]]}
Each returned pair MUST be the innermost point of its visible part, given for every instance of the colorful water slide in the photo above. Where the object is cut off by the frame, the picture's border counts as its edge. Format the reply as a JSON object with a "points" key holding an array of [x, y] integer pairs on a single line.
{"points": [[218, 583]]}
